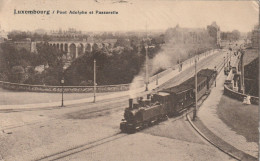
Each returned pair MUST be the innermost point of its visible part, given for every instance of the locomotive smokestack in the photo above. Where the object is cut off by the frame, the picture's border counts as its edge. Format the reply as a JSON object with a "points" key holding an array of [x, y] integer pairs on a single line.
{"points": [[131, 103]]}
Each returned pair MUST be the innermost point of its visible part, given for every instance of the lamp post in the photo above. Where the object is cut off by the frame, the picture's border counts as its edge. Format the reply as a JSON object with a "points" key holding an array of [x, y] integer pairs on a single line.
{"points": [[224, 62], [94, 81], [242, 86], [227, 61], [156, 79], [230, 55], [215, 76], [62, 91], [146, 68], [195, 108]]}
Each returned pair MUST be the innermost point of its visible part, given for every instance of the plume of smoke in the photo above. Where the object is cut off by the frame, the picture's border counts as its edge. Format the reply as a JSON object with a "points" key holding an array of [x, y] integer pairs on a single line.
{"points": [[178, 47], [137, 83], [170, 55]]}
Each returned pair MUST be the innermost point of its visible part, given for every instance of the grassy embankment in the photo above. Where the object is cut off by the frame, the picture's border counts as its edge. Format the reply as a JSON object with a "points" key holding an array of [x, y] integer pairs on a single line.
{"points": [[239, 117]]}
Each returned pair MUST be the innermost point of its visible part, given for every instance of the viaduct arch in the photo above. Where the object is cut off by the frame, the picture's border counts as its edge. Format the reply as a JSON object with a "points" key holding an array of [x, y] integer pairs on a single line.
{"points": [[74, 49]]}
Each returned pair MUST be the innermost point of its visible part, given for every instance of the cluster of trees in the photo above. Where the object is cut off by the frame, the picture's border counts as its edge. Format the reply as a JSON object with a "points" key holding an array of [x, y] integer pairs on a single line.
{"points": [[183, 43], [22, 35], [14, 63], [117, 66], [18, 66], [230, 36]]}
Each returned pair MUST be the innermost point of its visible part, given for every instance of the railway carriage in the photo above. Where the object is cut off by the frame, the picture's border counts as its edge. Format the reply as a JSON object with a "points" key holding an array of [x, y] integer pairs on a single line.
{"points": [[181, 97], [167, 102], [209, 74], [201, 85]]}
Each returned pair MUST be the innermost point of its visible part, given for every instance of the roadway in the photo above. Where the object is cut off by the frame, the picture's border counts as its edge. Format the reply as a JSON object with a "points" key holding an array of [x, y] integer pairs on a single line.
{"points": [[90, 131]]}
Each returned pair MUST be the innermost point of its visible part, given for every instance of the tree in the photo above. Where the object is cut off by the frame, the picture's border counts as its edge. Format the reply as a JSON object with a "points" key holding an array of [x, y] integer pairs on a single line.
{"points": [[18, 74], [49, 54], [235, 34], [17, 35], [213, 30]]}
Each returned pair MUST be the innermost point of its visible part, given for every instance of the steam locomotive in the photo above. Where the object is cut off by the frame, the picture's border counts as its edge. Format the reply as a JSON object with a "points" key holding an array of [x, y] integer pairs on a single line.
{"points": [[166, 103]]}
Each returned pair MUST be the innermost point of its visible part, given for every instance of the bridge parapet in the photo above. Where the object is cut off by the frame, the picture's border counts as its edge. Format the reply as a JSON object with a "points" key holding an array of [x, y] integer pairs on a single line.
{"points": [[67, 89], [239, 96], [230, 86]]}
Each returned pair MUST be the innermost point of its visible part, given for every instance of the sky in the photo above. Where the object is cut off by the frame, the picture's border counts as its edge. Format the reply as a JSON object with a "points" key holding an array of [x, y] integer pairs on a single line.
{"points": [[132, 14]]}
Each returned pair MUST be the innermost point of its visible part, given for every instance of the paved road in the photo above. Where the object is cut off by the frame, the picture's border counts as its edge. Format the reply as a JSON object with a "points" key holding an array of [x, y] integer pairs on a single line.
{"points": [[35, 134], [53, 131], [8, 97]]}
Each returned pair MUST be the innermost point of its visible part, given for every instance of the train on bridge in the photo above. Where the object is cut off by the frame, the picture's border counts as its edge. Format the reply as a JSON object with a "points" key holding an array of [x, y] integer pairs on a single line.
{"points": [[166, 103]]}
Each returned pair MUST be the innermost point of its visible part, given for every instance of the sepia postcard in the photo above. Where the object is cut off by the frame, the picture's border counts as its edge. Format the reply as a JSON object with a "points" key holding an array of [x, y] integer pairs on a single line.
{"points": [[129, 80]]}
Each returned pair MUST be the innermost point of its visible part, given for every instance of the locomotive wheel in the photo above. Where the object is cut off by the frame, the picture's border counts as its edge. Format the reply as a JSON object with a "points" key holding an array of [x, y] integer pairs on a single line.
{"points": [[131, 129], [123, 127], [164, 118], [170, 115], [145, 125]]}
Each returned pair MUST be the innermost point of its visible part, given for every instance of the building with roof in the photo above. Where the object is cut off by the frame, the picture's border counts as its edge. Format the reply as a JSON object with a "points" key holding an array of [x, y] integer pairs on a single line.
{"points": [[255, 37]]}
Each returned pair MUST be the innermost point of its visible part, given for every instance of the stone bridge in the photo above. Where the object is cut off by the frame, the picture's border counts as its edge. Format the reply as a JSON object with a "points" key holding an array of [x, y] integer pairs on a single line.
{"points": [[75, 48]]}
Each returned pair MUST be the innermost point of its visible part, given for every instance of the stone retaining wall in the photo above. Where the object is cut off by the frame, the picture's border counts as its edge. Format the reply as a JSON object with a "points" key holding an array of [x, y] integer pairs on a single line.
{"points": [[239, 96], [67, 89], [234, 94]]}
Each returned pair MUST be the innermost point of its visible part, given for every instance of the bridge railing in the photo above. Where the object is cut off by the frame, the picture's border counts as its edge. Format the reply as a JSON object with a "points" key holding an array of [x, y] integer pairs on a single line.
{"points": [[67, 89], [189, 61]]}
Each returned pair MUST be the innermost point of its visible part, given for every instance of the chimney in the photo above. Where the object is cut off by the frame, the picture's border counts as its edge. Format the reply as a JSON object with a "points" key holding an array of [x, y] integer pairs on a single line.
{"points": [[130, 103]]}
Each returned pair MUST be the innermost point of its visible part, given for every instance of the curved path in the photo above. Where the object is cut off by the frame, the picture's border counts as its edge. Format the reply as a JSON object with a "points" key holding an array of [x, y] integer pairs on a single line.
{"points": [[208, 115]]}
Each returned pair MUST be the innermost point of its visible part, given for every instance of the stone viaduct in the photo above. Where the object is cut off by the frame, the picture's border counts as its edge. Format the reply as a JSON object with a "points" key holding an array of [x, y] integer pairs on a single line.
{"points": [[75, 48]]}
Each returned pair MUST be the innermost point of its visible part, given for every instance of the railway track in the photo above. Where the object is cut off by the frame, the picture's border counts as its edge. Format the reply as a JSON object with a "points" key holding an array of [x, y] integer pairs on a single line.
{"points": [[80, 148], [68, 152], [83, 147], [219, 69], [52, 119], [93, 109]]}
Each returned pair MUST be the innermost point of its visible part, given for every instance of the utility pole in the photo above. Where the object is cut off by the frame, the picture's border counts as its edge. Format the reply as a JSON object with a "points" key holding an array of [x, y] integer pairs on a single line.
{"points": [[231, 56], [195, 108], [94, 81], [216, 76], [62, 91], [146, 68], [227, 61], [180, 67], [157, 79], [224, 62], [146, 61], [242, 72]]}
